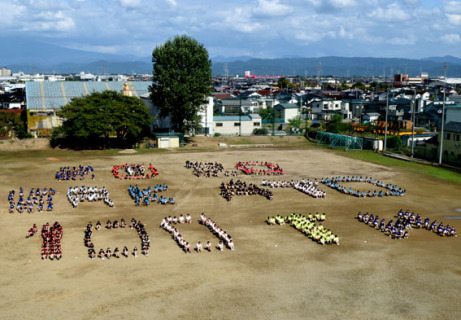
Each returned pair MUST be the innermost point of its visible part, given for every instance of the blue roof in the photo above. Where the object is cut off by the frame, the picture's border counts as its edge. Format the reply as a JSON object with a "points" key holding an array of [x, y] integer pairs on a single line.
{"points": [[286, 106], [231, 118], [54, 95]]}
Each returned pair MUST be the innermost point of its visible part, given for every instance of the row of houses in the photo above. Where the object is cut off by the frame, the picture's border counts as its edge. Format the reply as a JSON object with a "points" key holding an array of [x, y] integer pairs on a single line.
{"points": [[45, 99]]}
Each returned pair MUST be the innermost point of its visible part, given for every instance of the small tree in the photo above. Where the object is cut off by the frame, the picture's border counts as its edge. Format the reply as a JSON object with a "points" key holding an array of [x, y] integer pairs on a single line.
{"points": [[359, 85], [269, 114], [295, 122], [283, 83]]}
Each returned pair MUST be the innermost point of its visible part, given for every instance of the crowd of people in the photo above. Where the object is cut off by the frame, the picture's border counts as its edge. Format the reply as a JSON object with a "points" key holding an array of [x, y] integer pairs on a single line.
{"points": [[241, 188], [309, 187], [308, 226], [134, 171], [205, 169], [107, 254], [168, 224], [36, 198], [225, 240], [392, 190], [51, 241], [176, 219], [68, 173], [306, 186], [396, 230], [223, 236], [149, 195], [281, 220], [405, 221], [271, 169], [75, 195]]}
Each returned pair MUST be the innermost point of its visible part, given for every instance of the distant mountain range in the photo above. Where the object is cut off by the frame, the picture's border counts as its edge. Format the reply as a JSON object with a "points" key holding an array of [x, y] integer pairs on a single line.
{"points": [[37, 57], [340, 66]]}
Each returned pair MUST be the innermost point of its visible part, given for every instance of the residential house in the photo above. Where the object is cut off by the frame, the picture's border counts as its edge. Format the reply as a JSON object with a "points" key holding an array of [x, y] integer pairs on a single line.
{"points": [[323, 109], [287, 111], [370, 117], [452, 142], [242, 125]]}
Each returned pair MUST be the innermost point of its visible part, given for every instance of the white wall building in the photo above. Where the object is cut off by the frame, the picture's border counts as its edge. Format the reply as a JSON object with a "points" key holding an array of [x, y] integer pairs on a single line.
{"points": [[206, 115], [324, 109], [237, 125]]}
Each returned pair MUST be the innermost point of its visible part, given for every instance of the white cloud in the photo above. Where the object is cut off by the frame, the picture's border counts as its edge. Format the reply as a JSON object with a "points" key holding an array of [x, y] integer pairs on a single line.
{"points": [[452, 38], [345, 34], [271, 8], [246, 26], [130, 3], [453, 6], [10, 11], [240, 20], [343, 3], [392, 12], [454, 19]]}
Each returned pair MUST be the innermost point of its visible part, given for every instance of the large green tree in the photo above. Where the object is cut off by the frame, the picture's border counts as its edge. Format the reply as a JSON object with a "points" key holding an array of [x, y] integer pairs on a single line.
{"points": [[94, 118], [181, 81]]}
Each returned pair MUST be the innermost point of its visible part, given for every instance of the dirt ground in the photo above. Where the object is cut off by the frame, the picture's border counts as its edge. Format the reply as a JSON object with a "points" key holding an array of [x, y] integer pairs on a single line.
{"points": [[25, 144], [274, 273]]}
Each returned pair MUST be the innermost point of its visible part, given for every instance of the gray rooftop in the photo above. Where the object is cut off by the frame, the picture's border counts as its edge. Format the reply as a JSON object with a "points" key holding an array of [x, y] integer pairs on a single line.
{"points": [[54, 95], [453, 127]]}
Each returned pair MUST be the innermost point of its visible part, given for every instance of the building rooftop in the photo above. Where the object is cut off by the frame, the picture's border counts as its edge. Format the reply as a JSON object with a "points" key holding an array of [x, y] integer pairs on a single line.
{"points": [[453, 127], [237, 118], [43, 95]]}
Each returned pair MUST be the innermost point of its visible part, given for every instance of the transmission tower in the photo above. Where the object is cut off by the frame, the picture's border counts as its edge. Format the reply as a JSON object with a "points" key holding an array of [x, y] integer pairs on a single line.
{"points": [[226, 73]]}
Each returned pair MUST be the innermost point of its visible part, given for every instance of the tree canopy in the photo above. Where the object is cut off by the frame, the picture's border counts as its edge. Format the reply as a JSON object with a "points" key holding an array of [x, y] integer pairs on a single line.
{"points": [[94, 118], [181, 81], [12, 123]]}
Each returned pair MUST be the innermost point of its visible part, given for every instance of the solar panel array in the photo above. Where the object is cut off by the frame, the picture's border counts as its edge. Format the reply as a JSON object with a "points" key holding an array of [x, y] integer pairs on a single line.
{"points": [[54, 95]]}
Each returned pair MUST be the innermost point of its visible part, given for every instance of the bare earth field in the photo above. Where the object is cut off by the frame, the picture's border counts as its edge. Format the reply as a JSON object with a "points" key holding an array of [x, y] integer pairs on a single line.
{"points": [[275, 271]]}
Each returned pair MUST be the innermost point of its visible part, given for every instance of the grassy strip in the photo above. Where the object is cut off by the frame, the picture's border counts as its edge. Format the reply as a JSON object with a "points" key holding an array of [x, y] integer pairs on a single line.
{"points": [[437, 172]]}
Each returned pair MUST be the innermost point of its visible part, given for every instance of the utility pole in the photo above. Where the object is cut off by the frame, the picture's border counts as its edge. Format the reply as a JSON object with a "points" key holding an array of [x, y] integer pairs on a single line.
{"points": [[385, 126], [413, 125], [240, 115], [441, 129]]}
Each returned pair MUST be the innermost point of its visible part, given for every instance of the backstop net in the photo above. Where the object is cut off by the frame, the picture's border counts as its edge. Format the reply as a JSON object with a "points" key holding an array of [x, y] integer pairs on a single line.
{"points": [[334, 140]]}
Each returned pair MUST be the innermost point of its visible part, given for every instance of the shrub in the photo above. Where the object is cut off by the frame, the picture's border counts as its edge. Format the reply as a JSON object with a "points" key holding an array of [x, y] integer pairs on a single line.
{"points": [[260, 131]]}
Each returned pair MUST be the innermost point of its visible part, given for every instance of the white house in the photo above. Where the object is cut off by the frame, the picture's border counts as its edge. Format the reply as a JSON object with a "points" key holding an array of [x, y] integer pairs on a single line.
{"points": [[370, 117], [324, 109], [287, 111], [159, 123], [236, 125]]}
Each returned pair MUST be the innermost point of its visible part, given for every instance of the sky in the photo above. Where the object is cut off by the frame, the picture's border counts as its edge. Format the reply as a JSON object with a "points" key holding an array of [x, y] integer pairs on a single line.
{"points": [[256, 28]]}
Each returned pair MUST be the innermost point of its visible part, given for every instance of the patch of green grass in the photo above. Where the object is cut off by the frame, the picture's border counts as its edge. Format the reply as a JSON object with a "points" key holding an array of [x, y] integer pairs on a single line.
{"points": [[443, 173]]}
